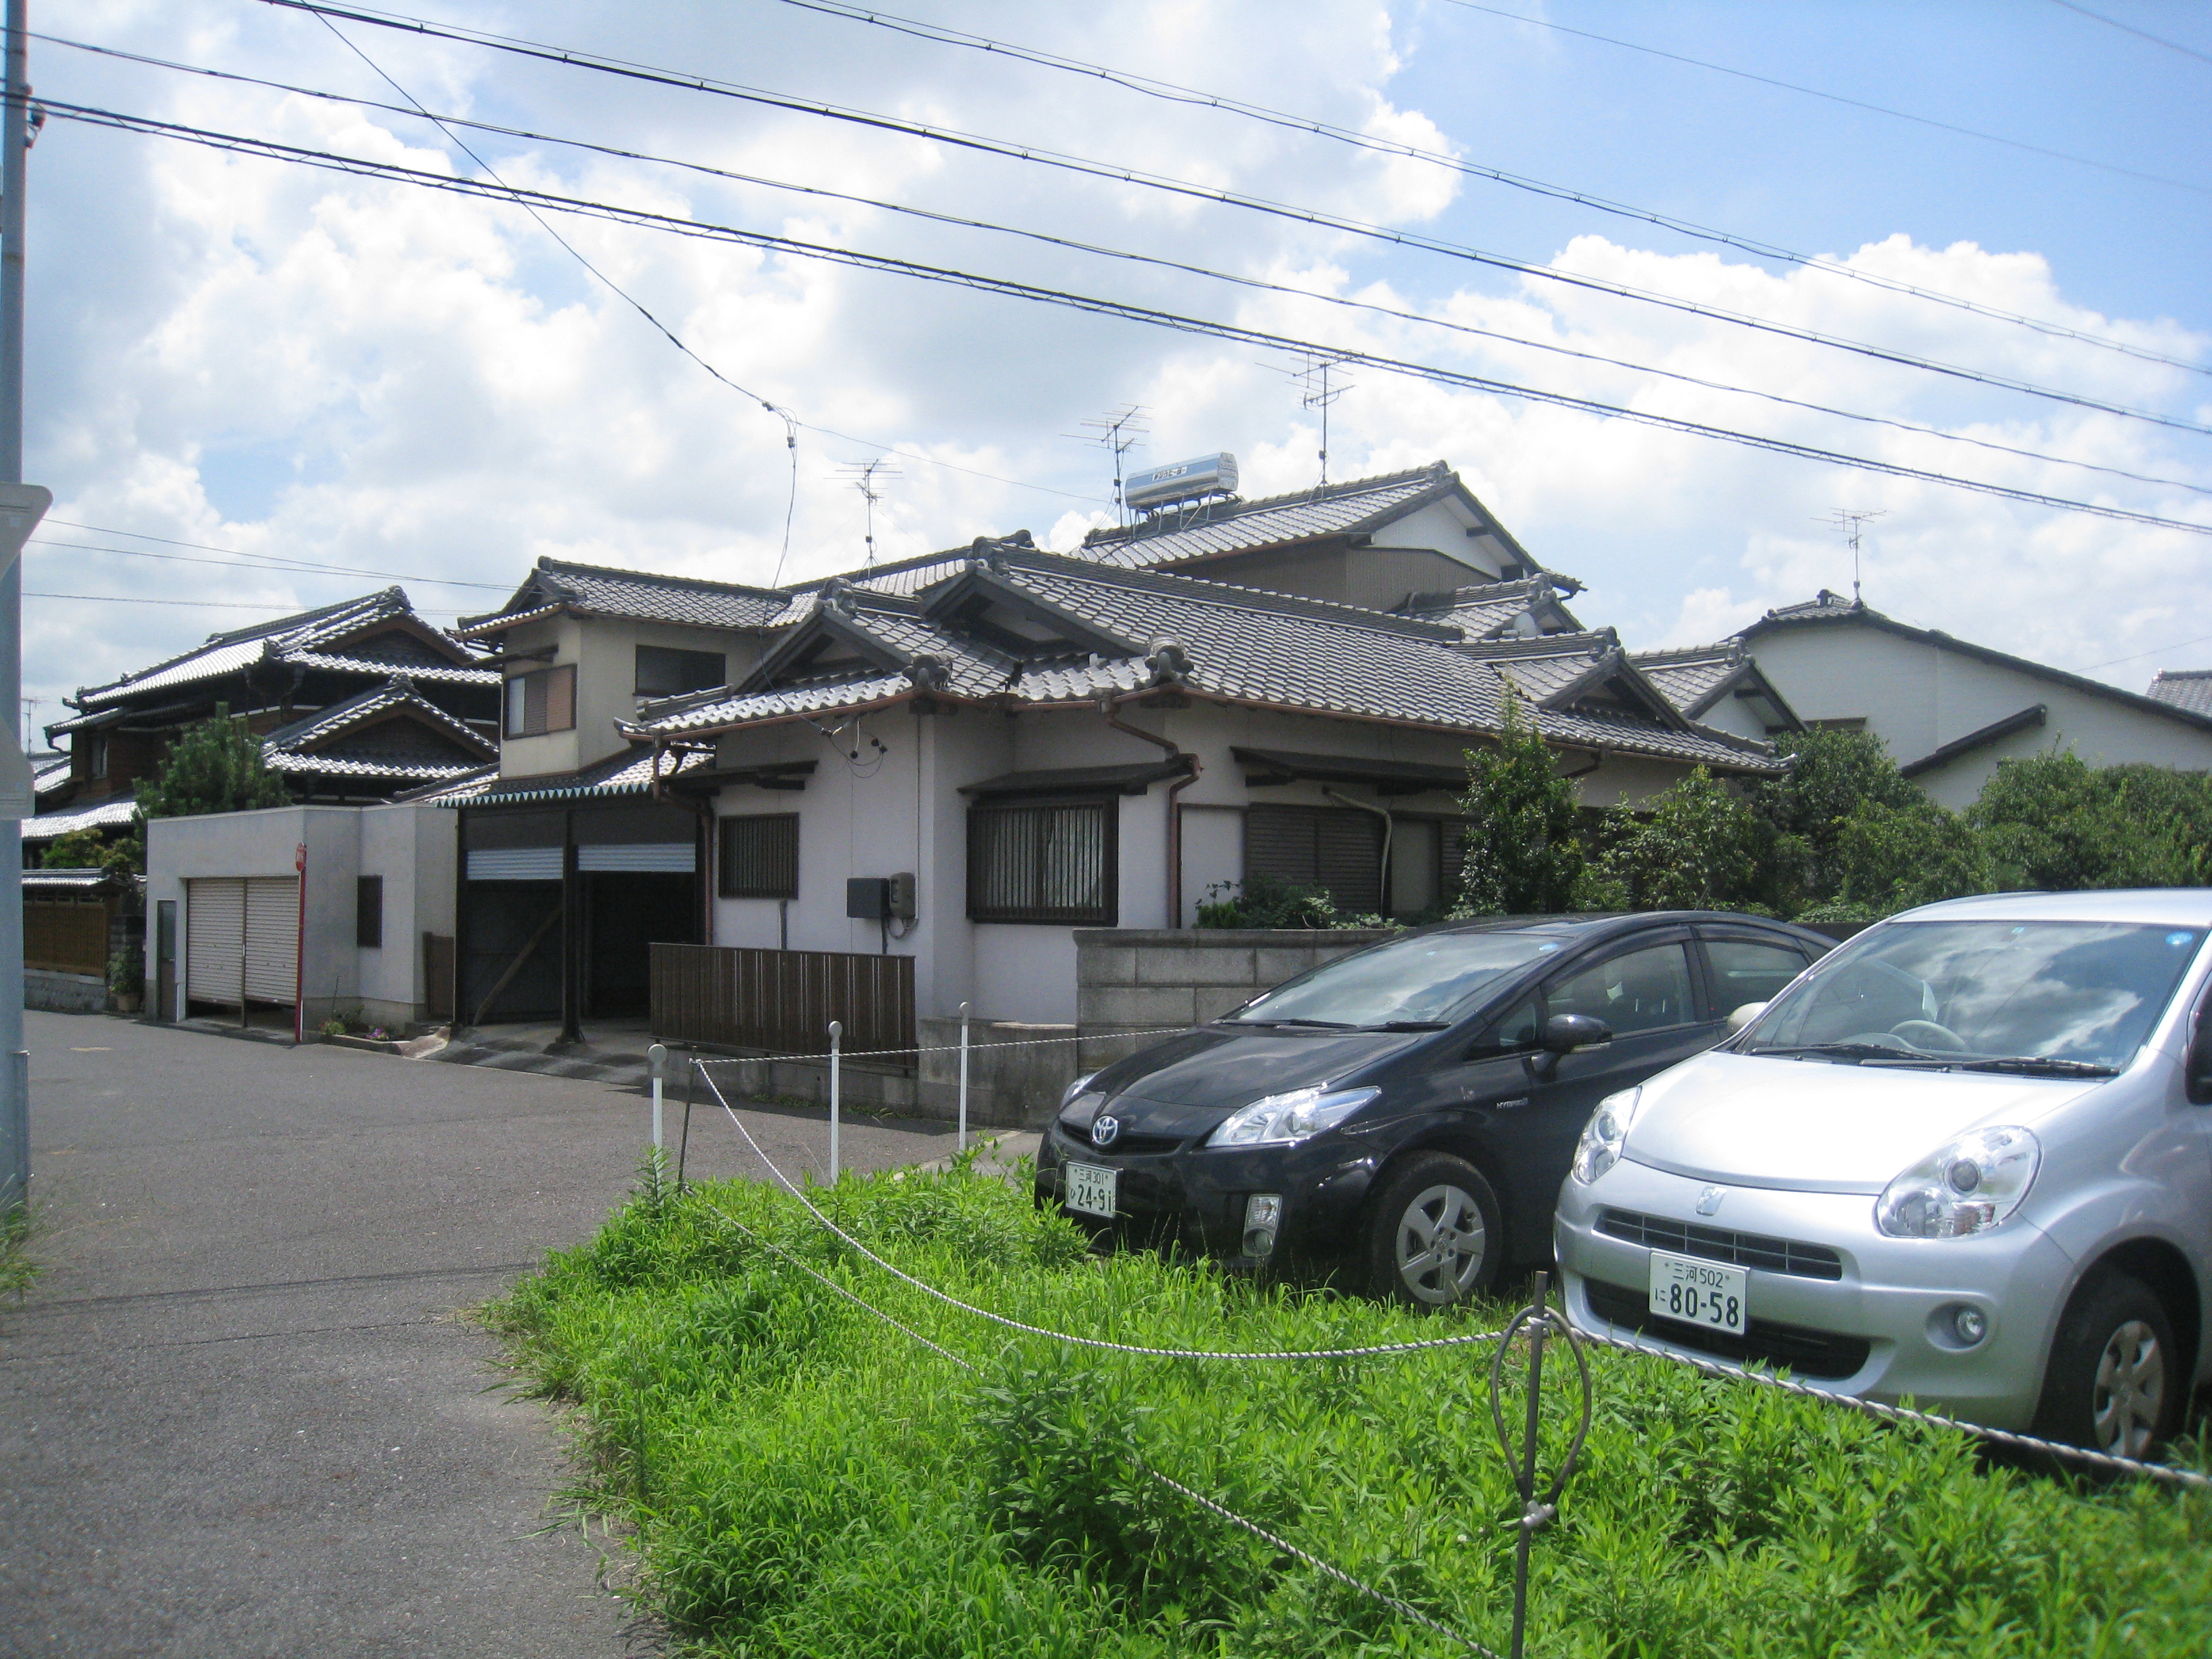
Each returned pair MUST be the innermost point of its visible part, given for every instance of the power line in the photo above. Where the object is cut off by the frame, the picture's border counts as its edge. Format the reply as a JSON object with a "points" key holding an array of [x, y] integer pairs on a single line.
{"points": [[1034, 153], [1833, 97], [204, 604], [1169, 91], [2140, 34], [2155, 651], [1003, 287], [1257, 284], [261, 561]]}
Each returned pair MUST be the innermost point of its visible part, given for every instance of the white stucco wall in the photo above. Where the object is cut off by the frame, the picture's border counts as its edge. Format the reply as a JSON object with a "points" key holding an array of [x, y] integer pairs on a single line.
{"points": [[410, 846], [1916, 695]]}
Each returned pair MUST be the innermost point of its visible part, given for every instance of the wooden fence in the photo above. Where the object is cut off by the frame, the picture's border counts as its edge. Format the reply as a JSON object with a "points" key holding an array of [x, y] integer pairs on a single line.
{"points": [[66, 936], [782, 1001]]}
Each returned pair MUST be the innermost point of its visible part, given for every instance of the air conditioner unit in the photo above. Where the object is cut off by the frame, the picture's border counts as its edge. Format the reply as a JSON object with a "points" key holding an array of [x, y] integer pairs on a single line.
{"points": [[1184, 481]]}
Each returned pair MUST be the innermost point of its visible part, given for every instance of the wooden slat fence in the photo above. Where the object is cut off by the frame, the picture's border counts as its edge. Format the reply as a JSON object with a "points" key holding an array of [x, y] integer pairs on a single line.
{"points": [[782, 1001], [66, 936]]}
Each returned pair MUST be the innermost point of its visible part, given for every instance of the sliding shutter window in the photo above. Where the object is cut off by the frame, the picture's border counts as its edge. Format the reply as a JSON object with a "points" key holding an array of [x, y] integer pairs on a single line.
{"points": [[541, 702], [1045, 861], [1336, 848], [760, 856]]}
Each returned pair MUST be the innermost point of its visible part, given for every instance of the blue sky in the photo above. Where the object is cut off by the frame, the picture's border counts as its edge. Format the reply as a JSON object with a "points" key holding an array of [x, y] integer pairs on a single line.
{"points": [[300, 365]]}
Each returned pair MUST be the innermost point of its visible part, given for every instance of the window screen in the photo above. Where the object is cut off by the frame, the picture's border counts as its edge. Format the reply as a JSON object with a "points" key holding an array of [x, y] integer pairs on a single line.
{"points": [[1043, 861], [369, 912], [760, 856], [1338, 848], [541, 702], [663, 672]]}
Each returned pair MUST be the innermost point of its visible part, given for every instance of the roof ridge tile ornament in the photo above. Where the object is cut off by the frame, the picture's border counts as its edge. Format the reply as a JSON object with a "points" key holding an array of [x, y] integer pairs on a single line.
{"points": [[837, 595], [929, 672], [1170, 661]]}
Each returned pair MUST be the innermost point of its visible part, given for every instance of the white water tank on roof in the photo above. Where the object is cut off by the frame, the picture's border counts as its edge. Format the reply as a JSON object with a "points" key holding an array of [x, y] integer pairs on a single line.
{"points": [[1181, 481]]}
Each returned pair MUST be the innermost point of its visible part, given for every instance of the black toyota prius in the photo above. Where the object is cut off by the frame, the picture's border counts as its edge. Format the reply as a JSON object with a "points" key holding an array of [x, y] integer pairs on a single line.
{"points": [[1410, 1109]]}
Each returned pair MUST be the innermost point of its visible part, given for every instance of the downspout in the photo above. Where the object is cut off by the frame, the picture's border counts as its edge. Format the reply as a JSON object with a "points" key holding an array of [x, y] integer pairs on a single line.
{"points": [[1107, 706], [704, 812], [1390, 827]]}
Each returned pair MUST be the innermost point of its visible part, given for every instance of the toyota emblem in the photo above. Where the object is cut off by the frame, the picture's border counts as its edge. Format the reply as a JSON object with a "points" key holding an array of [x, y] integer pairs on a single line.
{"points": [[1104, 1131], [1709, 1200]]}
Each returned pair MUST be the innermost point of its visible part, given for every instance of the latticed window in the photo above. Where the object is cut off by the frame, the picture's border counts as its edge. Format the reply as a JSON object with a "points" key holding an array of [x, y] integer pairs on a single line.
{"points": [[1048, 861], [760, 856]]}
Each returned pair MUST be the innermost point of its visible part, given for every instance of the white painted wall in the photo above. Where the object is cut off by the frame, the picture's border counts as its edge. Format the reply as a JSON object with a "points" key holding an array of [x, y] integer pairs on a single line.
{"points": [[1916, 695], [410, 845]]}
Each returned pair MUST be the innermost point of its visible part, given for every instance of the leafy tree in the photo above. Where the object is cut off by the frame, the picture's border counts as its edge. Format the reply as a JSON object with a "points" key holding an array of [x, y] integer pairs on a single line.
{"points": [[2052, 822], [1893, 857], [1695, 847], [1831, 774], [86, 849], [1523, 849], [214, 766]]}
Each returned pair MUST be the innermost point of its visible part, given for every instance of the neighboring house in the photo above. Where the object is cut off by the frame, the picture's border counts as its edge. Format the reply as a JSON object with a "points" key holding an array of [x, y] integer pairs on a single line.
{"points": [[2184, 688], [1950, 710], [355, 701], [1721, 685], [1045, 743]]}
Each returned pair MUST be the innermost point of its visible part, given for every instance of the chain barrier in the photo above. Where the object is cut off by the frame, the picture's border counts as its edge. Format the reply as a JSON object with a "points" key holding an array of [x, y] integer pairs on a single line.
{"points": [[1373, 1351], [821, 1056], [1538, 1321]]}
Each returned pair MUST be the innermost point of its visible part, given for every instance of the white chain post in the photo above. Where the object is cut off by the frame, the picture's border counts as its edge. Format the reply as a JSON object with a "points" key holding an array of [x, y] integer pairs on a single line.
{"points": [[964, 1077], [836, 1037], [657, 1057]]}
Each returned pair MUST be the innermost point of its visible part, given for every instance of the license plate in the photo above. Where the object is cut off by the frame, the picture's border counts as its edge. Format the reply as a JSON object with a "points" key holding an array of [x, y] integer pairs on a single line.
{"points": [[1092, 1190], [1701, 1292]]}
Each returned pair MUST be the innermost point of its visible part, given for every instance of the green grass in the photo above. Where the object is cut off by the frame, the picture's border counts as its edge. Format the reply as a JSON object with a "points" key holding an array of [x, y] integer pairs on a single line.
{"points": [[796, 1478], [17, 1270]]}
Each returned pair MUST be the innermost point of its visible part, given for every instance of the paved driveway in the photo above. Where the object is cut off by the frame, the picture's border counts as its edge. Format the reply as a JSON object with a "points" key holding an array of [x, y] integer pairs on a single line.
{"points": [[237, 1413]]}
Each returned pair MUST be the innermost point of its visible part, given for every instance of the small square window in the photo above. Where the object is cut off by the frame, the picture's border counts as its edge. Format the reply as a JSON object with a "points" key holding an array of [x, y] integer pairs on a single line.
{"points": [[760, 856], [541, 702]]}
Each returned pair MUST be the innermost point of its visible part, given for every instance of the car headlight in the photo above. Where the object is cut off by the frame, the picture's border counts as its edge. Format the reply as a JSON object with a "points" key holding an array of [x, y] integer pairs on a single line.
{"points": [[1079, 1103], [1965, 1186], [1286, 1120], [1605, 1135]]}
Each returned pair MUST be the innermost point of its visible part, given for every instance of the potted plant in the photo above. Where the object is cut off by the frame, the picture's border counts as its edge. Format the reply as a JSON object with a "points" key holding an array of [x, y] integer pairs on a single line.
{"points": [[126, 986]]}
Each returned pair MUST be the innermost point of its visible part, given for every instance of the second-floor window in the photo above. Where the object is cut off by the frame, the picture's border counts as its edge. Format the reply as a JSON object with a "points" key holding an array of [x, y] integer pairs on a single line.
{"points": [[98, 761], [665, 673], [541, 702]]}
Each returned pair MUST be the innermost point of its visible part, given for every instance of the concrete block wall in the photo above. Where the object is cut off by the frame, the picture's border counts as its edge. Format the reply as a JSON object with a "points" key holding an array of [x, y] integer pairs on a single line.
{"points": [[1136, 980]]}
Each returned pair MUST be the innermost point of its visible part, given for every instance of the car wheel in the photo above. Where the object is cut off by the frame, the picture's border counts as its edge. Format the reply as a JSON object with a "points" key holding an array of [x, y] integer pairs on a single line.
{"points": [[1434, 1235], [2114, 1383]]}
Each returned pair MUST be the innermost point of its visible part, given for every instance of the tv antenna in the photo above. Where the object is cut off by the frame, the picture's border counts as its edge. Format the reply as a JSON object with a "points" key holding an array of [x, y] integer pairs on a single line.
{"points": [[1322, 388], [1119, 430], [1853, 526], [863, 476]]}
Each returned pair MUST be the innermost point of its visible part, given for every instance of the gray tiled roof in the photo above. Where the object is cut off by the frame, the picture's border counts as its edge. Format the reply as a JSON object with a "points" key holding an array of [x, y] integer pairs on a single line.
{"points": [[1231, 527], [1243, 646], [2184, 688], [689, 601], [315, 743], [106, 814], [1689, 676], [1488, 610], [285, 639], [627, 773]]}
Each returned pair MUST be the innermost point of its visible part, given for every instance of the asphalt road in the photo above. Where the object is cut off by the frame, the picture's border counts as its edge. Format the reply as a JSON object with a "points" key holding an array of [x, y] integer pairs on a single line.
{"points": [[238, 1413]]}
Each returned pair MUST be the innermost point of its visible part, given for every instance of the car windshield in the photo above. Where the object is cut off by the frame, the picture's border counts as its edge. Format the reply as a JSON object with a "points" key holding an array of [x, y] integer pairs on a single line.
{"points": [[2065, 998], [1431, 979]]}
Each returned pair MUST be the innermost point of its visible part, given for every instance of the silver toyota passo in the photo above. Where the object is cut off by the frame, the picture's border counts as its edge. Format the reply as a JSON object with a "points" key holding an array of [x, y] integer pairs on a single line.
{"points": [[1965, 1158]]}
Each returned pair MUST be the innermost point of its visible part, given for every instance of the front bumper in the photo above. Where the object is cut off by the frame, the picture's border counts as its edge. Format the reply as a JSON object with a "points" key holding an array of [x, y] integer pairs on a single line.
{"points": [[1193, 1196], [1881, 1330]]}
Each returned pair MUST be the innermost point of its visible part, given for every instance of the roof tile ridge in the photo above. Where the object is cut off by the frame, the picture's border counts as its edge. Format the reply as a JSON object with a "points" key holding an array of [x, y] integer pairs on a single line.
{"points": [[1240, 597], [546, 562], [1306, 497]]}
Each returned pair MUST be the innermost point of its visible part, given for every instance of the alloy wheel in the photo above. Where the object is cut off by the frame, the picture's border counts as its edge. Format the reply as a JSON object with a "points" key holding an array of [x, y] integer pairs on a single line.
{"points": [[2130, 1401], [1441, 1244]]}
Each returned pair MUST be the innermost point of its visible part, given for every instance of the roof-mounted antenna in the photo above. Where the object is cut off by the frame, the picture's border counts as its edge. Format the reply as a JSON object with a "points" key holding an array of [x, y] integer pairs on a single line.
{"points": [[1321, 391], [863, 475], [1853, 524], [1119, 430]]}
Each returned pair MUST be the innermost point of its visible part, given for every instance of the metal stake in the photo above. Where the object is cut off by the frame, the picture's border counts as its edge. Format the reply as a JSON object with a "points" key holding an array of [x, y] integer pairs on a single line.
{"points": [[836, 1036], [963, 1142], [1539, 1322], [657, 1057], [684, 1135]]}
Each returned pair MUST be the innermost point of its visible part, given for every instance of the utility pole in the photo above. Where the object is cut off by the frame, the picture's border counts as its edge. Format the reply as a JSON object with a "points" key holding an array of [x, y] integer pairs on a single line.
{"points": [[14, 1063]]}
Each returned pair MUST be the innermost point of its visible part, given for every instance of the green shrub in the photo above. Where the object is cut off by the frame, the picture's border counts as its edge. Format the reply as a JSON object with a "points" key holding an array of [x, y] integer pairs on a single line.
{"points": [[796, 1478], [1523, 845], [1266, 901]]}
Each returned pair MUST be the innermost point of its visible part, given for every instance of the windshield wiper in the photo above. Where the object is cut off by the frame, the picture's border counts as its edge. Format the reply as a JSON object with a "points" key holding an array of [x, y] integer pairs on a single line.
{"points": [[1407, 1025], [1855, 1051], [1321, 1024], [2040, 1065]]}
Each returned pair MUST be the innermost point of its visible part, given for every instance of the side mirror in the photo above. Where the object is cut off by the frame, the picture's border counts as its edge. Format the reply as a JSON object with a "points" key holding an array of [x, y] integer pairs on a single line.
{"points": [[1743, 1016], [2197, 1064], [1564, 1033]]}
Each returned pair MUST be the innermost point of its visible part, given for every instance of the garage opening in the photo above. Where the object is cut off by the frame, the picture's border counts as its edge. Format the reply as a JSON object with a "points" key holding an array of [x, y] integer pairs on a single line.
{"points": [[242, 948]]}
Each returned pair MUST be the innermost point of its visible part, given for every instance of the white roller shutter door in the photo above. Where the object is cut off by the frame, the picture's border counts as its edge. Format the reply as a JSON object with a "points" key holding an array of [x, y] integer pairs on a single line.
{"points": [[272, 938], [648, 858], [215, 940]]}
